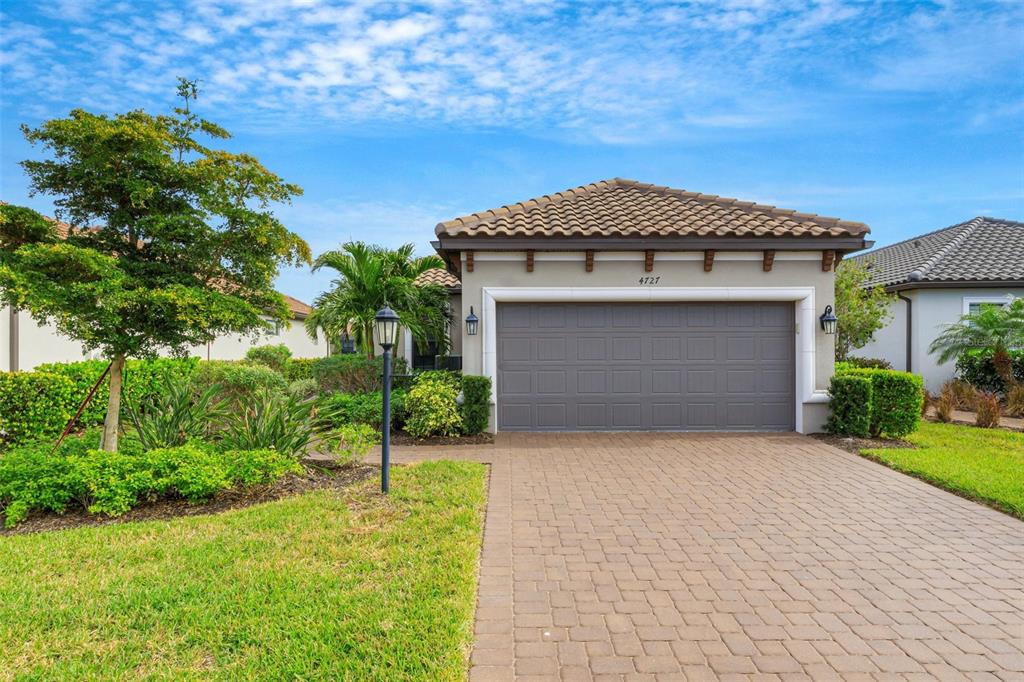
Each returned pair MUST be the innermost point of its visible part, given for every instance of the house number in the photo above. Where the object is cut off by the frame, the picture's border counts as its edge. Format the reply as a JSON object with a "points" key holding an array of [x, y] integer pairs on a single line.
{"points": [[649, 280]]}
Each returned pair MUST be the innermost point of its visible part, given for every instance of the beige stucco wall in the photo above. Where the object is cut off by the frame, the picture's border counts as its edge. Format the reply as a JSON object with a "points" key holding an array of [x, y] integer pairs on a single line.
{"points": [[890, 342], [748, 272]]}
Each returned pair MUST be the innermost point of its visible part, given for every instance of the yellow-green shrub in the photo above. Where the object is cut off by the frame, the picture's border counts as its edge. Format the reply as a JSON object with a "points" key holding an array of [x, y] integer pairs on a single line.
{"points": [[432, 408]]}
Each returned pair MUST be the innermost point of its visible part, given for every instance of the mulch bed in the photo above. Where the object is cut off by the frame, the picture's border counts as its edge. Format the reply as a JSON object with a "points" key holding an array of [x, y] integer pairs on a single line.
{"points": [[855, 445], [314, 477], [403, 438]]}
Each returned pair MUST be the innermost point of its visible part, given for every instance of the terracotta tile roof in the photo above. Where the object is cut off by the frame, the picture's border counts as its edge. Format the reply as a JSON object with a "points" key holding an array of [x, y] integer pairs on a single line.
{"points": [[439, 276], [979, 250], [627, 208], [297, 307]]}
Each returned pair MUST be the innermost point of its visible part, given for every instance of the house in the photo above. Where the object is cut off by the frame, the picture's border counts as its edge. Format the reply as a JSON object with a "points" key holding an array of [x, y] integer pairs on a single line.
{"points": [[24, 344], [938, 277], [627, 306], [428, 357]]}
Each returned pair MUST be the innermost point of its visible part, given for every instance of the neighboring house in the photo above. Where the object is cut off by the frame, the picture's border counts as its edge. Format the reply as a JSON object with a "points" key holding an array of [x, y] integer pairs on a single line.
{"points": [[938, 277], [428, 357], [621, 305], [25, 344]]}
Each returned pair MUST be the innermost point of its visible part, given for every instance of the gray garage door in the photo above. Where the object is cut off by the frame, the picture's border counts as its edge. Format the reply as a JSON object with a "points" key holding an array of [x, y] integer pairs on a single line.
{"points": [[646, 366]]}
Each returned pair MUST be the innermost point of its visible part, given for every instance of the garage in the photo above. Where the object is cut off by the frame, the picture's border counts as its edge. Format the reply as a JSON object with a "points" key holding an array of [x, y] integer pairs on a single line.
{"points": [[645, 366]]}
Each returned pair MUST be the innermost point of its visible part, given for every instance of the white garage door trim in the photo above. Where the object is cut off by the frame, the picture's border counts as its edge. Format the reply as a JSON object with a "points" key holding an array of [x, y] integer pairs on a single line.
{"points": [[803, 297]]}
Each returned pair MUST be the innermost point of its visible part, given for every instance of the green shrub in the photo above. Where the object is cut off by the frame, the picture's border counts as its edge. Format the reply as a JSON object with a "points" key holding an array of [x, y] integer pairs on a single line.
{"points": [[350, 443], [868, 363], [277, 357], [896, 401], [300, 368], [34, 405], [339, 409], [432, 408], [176, 415], [842, 367], [353, 373], [238, 383], [476, 403], [304, 388], [258, 467], [976, 368], [143, 380], [850, 405], [270, 420], [111, 483], [193, 470], [31, 478]]}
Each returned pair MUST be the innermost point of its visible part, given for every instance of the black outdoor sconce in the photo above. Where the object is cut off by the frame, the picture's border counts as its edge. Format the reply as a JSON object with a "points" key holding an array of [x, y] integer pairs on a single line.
{"points": [[828, 320], [472, 322]]}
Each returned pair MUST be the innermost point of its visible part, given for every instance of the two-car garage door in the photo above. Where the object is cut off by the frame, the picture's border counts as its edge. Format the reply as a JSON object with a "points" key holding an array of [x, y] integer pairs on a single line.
{"points": [[645, 366]]}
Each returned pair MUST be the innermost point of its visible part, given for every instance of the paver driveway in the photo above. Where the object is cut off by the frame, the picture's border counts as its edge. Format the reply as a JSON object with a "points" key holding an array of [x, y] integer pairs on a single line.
{"points": [[684, 556]]}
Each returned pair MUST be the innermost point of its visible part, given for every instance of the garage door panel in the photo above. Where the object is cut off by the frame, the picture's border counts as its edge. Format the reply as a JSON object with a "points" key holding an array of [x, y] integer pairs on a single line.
{"points": [[691, 366]]}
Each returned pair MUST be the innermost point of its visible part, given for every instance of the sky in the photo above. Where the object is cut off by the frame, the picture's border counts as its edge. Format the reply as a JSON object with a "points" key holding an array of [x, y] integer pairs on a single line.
{"points": [[394, 116]]}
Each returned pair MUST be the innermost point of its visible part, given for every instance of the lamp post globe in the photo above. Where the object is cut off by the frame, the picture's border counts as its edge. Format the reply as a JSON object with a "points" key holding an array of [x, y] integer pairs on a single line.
{"points": [[386, 320]]}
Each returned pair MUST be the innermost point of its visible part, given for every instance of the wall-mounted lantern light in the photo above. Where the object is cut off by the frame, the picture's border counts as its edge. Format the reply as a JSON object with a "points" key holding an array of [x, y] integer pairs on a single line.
{"points": [[828, 320], [472, 322]]}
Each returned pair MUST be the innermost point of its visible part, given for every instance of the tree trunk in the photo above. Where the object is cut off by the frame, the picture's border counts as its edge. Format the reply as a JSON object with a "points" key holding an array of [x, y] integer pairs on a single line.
{"points": [[112, 423], [1003, 364]]}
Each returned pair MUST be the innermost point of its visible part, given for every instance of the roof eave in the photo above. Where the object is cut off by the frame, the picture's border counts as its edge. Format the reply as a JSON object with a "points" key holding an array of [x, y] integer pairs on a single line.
{"points": [[907, 285], [488, 243]]}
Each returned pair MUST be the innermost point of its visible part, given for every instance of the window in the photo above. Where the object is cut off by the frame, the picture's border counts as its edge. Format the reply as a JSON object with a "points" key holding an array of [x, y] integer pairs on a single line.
{"points": [[973, 304]]}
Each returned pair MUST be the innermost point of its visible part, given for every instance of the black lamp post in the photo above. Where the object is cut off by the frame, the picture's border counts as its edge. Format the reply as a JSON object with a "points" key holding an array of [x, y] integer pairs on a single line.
{"points": [[472, 322], [828, 320], [387, 332]]}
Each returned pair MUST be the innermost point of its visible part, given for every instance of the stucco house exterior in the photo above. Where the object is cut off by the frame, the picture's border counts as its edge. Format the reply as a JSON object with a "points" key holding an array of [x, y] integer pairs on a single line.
{"points": [[24, 344], [938, 277], [620, 305]]}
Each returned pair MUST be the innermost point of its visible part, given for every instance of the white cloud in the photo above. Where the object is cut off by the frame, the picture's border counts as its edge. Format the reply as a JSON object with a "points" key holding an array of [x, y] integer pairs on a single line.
{"points": [[619, 72]]}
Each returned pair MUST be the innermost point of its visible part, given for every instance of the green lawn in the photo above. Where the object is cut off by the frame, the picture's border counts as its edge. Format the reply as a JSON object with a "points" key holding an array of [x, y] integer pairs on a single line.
{"points": [[327, 585], [983, 464]]}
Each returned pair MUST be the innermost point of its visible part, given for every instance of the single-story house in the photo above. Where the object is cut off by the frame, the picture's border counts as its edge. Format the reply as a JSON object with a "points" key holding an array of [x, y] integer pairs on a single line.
{"points": [[938, 277], [24, 344], [627, 306]]}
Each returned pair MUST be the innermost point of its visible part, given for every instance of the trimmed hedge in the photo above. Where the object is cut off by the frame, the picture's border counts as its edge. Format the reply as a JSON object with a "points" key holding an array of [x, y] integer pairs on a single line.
{"points": [[896, 402], [476, 403], [976, 368], [353, 373], [143, 380], [276, 356], [300, 368], [340, 409], [34, 405], [237, 381], [850, 405]]}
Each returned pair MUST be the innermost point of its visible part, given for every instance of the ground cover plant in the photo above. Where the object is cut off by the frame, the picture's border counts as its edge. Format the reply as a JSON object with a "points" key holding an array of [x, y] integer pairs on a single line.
{"points": [[244, 594], [982, 464]]}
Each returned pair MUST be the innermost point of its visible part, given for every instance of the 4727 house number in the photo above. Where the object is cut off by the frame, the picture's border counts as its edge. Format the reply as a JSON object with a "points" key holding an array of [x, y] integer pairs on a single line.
{"points": [[649, 281]]}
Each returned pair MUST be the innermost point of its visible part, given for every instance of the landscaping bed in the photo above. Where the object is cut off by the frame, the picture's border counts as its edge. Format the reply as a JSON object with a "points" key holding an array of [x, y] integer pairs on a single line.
{"points": [[856, 445], [312, 478], [330, 584], [403, 438]]}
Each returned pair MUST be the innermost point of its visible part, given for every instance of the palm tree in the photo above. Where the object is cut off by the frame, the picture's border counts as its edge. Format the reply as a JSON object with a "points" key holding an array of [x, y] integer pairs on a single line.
{"points": [[993, 328], [370, 277]]}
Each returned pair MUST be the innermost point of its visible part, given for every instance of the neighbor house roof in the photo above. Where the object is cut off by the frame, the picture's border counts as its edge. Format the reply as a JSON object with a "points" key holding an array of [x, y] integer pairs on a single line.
{"points": [[979, 250], [298, 308], [439, 276], [621, 208]]}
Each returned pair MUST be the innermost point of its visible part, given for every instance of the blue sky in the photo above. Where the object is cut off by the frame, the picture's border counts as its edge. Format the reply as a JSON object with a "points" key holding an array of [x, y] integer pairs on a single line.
{"points": [[394, 116]]}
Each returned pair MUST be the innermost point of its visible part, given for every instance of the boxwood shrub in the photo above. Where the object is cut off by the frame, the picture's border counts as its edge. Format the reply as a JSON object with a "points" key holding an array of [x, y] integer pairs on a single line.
{"points": [[34, 405], [896, 400], [976, 368], [340, 409], [850, 405], [476, 402]]}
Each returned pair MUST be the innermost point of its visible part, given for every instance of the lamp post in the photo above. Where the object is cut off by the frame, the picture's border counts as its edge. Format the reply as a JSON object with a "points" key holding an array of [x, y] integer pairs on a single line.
{"points": [[387, 331]]}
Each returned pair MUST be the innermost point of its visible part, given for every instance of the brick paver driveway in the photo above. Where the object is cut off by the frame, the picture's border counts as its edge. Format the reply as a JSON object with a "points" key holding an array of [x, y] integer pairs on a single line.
{"points": [[684, 556]]}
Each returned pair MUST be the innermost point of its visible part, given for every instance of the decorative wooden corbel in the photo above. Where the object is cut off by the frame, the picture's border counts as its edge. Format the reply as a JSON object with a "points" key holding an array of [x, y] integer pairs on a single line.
{"points": [[709, 259], [828, 257], [469, 261], [769, 260], [590, 260], [529, 260], [648, 260]]}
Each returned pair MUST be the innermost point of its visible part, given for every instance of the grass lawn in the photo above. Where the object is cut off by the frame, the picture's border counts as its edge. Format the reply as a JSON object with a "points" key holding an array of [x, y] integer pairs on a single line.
{"points": [[983, 464], [327, 585]]}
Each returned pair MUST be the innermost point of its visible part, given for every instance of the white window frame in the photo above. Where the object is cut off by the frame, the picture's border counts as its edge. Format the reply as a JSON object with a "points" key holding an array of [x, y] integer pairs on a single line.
{"points": [[1004, 300]]}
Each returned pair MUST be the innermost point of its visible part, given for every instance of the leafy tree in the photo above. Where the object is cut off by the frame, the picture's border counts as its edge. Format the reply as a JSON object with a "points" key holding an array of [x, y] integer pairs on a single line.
{"points": [[369, 277], [861, 310], [184, 246], [994, 328]]}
